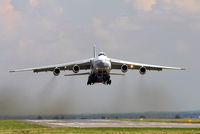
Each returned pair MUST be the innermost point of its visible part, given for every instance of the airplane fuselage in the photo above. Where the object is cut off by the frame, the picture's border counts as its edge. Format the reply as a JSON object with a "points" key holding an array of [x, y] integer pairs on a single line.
{"points": [[100, 70]]}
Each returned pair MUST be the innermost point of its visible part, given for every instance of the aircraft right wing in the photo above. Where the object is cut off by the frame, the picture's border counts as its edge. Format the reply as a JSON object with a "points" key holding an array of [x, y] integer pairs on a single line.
{"points": [[83, 64], [116, 64]]}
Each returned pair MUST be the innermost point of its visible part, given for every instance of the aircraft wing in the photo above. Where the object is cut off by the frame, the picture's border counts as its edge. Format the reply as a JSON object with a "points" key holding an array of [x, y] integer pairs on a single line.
{"points": [[83, 64], [116, 64]]}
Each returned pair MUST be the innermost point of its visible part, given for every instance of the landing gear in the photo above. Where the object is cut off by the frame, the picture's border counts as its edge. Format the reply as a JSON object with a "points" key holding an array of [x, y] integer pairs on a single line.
{"points": [[99, 78], [108, 82], [106, 79], [91, 79], [89, 82]]}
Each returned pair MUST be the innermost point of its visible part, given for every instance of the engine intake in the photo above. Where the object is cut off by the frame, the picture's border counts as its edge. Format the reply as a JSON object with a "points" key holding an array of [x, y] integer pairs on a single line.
{"points": [[142, 70], [76, 68], [124, 68], [56, 71]]}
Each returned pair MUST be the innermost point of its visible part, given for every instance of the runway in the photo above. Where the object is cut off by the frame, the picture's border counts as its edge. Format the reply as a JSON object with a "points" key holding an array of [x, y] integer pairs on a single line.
{"points": [[89, 123]]}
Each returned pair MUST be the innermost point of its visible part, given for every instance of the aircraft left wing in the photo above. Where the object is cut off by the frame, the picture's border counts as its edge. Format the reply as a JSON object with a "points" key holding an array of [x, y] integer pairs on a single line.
{"points": [[116, 64], [83, 64]]}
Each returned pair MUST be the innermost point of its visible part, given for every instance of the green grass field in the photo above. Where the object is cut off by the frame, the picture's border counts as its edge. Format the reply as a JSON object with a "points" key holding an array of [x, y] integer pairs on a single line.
{"points": [[164, 120], [20, 127]]}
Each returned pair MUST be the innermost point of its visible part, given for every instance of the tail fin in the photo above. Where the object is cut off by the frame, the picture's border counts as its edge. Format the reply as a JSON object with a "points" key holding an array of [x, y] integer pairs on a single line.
{"points": [[94, 51]]}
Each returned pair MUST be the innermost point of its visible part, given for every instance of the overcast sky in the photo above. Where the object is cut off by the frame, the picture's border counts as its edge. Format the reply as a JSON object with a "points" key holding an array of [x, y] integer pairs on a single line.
{"points": [[44, 32]]}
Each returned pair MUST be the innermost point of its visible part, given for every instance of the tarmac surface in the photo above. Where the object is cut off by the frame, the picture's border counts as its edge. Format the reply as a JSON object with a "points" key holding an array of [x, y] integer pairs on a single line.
{"points": [[88, 123]]}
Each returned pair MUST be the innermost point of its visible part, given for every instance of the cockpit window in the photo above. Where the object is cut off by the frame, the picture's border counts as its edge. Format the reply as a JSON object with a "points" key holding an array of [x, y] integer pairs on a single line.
{"points": [[101, 53]]}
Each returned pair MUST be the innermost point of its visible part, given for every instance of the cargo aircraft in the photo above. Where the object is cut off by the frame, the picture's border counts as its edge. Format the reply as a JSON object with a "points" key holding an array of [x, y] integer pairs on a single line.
{"points": [[100, 67]]}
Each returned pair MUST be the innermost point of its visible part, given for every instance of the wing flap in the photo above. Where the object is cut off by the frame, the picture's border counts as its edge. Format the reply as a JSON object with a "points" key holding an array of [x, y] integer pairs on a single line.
{"points": [[117, 74]]}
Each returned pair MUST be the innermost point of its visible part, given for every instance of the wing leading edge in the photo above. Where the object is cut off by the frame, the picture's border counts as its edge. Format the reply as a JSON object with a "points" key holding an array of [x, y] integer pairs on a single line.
{"points": [[116, 64], [83, 64]]}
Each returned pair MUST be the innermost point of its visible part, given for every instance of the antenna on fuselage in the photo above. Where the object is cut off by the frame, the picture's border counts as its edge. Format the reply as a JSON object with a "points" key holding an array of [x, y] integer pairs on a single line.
{"points": [[94, 49]]}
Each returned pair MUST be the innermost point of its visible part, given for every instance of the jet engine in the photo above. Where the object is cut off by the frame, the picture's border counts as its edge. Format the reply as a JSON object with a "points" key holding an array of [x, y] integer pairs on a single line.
{"points": [[124, 68], [142, 70], [56, 71], [76, 68]]}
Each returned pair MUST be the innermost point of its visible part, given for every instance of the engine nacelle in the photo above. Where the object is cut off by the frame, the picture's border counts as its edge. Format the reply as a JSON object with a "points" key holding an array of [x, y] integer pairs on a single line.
{"points": [[124, 68], [142, 70], [76, 68], [56, 71]]}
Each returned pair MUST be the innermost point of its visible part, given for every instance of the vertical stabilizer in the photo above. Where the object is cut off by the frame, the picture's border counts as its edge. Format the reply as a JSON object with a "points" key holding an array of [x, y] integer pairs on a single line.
{"points": [[95, 54]]}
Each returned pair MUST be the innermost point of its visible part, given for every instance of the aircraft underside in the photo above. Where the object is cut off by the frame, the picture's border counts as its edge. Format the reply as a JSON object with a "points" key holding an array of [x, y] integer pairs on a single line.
{"points": [[99, 77]]}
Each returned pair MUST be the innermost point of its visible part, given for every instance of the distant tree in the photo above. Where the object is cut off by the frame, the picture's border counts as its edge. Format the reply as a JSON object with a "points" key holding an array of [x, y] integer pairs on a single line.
{"points": [[83, 118], [116, 117], [103, 117], [39, 117], [56, 117], [142, 116], [107, 118], [177, 116], [62, 117]]}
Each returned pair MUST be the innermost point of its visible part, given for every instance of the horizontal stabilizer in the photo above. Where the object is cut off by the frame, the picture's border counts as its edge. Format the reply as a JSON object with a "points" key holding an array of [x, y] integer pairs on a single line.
{"points": [[77, 74], [117, 74]]}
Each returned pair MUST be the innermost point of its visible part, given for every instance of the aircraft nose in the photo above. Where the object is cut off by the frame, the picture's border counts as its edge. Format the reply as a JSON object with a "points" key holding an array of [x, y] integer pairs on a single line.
{"points": [[106, 64], [102, 64]]}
